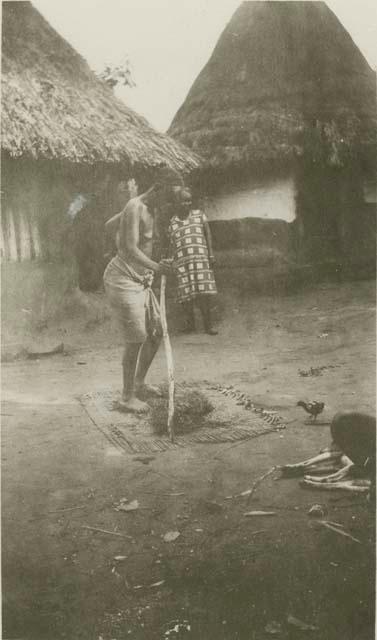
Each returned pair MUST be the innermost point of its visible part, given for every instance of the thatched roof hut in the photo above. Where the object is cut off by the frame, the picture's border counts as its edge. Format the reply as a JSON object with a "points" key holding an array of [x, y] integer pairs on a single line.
{"points": [[71, 153], [54, 107], [285, 79], [284, 113]]}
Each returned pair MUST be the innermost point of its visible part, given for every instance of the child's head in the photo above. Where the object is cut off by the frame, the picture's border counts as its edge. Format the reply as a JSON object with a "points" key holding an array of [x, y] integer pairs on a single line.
{"points": [[184, 202]]}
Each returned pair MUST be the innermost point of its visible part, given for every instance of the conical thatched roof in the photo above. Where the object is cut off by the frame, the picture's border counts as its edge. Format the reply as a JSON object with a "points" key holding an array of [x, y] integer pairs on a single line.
{"points": [[53, 106], [284, 78]]}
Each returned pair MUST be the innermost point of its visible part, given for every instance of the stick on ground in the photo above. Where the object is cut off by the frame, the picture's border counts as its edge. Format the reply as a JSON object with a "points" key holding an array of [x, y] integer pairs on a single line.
{"points": [[339, 531], [81, 506], [257, 482], [111, 533]]}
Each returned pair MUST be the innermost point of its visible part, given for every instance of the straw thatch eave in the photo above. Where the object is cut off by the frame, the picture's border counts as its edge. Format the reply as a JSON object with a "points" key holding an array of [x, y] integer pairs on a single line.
{"points": [[285, 79], [54, 107]]}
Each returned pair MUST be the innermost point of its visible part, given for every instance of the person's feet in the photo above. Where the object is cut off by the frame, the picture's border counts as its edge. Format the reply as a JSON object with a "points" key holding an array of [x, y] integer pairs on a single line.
{"points": [[147, 391], [132, 405]]}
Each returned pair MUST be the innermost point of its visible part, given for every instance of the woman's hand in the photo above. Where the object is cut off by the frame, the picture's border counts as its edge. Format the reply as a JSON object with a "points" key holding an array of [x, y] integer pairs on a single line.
{"points": [[165, 267]]}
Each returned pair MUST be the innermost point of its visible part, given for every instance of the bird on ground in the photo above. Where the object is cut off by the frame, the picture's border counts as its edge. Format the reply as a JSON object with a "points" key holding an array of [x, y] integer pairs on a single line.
{"points": [[313, 408]]}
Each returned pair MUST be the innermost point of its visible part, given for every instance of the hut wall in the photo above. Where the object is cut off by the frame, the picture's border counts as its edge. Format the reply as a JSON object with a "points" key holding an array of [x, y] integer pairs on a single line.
{"points": [[265, 199], [47, 253], [34, 205], [326, 228], [252, 254], [251, 212], [37, 267], [334, 222]]}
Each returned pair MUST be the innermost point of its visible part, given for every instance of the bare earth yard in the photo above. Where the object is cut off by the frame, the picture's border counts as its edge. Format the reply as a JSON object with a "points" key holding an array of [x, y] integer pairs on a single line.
{"points": [[226, 577]]}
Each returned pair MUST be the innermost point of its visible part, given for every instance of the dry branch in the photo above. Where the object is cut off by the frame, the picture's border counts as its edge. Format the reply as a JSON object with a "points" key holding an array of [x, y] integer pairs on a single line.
{"points": [[257, 482], [169, 358], [327, 525]]}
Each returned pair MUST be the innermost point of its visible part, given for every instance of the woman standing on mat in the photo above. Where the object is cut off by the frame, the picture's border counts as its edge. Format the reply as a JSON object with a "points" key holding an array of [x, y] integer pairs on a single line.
{"points": [[191, 250]]}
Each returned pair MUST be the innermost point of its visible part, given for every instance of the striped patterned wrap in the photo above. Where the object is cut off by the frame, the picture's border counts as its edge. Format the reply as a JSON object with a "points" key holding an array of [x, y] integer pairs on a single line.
{"points": [[189, 250]]}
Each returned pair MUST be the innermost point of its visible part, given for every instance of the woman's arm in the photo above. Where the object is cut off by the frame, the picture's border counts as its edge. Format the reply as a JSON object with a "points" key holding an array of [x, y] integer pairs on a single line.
{"points": [[170, 244], [112, 224]]}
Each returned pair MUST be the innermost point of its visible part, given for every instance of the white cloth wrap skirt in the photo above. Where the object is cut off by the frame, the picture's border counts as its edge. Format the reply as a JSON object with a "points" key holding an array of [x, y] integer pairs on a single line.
{"points": [[132, 300]]}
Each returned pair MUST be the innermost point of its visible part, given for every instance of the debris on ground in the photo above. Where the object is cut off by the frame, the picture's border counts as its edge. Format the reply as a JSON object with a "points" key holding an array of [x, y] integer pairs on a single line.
{"points": [[173, 494], [170, 536], [81, 506], [144, 459], [127, 506], [258, 481], [177, 627], [317, 511], [273, 628], [335, 524], [249, 514], [157, 584], [329, 525], [120, 558], [111, 533], [251, 491], [299, 624], [34, 355], [316, 371]]}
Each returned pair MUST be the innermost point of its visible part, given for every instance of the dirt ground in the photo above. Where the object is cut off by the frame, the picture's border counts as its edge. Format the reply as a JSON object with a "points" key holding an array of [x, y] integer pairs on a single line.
{"points": [[226, 577]]}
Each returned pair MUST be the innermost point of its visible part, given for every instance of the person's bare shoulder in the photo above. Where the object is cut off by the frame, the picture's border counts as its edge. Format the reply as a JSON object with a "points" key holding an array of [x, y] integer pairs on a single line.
{"points": [[134, 206], [131, 204]]}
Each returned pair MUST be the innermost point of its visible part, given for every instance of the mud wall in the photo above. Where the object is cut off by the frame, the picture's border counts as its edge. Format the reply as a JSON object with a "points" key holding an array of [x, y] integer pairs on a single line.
{"points": [[271, 199], [252, 254], [335, 219], [37, 199]]}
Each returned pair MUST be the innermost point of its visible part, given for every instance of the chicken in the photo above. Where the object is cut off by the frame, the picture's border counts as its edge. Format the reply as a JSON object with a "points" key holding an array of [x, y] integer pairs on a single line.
{"points": [[314, 408]]}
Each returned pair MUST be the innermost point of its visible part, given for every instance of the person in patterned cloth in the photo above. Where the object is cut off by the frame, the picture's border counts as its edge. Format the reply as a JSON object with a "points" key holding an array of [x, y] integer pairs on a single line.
{"points": [[191, 250]]}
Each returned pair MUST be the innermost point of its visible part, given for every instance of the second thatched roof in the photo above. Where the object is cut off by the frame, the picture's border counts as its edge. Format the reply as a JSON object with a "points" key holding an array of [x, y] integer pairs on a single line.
{"points": [[285, 79], [53, 106]]}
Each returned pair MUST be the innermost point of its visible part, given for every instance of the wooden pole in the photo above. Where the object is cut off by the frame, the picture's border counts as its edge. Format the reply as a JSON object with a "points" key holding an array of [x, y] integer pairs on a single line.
{"points": [[169, 358]]}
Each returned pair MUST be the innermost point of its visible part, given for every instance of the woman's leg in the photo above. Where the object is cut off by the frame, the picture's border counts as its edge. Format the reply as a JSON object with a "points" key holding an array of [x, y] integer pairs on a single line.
{"points": [[204, 304], [188, 310], [130, 358], [146, 355]]}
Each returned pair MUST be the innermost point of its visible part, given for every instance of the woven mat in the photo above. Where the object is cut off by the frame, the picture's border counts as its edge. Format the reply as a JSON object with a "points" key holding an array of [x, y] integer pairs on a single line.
{"points": [[228, 422]]}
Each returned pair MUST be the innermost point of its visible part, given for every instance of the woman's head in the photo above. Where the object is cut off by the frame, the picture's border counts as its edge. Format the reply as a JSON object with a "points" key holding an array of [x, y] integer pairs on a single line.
{"points": [[184, 202]]}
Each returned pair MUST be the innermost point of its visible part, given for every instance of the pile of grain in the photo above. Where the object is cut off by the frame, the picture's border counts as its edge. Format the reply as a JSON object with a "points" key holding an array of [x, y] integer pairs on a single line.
{"points": [[191, 408]]}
